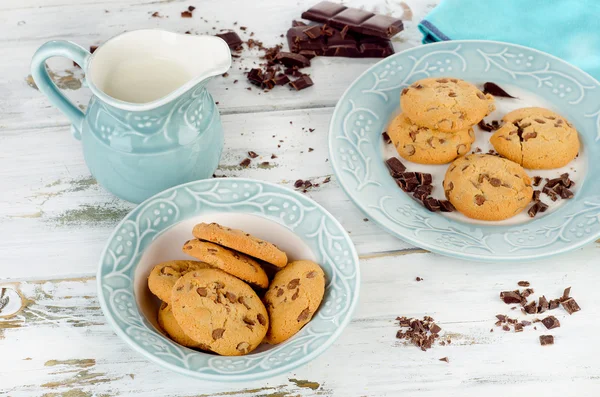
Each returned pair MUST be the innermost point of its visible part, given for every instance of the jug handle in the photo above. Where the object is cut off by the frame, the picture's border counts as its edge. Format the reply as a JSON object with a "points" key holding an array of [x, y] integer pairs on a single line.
{"points": [[46, 85]]}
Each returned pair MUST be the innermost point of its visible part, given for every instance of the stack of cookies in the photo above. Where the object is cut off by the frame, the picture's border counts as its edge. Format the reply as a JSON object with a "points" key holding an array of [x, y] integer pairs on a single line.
{"points": [[214, 305], [437, 119]]}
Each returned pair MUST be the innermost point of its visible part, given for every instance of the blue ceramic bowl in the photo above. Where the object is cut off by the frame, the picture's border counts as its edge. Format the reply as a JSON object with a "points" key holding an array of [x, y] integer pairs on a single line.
{"points": [[357, 156], [156, 230]]}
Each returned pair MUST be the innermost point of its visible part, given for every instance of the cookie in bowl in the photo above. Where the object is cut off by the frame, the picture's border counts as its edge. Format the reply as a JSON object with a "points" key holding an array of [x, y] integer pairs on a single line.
{"points": [[445, 104], [487, 187], [536, 138], [424, 145]]}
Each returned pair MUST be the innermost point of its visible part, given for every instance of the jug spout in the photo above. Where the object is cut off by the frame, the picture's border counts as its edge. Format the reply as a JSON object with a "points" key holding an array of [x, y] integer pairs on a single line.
{"points": [[145, 69]]}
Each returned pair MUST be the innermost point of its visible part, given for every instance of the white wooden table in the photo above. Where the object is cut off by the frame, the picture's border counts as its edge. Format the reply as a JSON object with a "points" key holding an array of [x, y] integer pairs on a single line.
{"points": [[54, 220]]}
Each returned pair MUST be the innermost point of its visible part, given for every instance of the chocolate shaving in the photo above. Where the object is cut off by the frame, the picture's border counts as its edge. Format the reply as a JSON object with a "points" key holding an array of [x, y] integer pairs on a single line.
{"points": [[495, 90]]}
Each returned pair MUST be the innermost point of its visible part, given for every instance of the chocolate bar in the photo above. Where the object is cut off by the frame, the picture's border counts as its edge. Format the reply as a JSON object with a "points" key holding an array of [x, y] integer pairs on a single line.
{"points": [[358, 21], [232, 39], [323, 40]]}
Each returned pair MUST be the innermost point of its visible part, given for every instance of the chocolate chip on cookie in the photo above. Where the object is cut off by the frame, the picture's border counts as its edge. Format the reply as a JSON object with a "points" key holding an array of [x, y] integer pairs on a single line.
{"points": [[487, 187], [445, 104], [219, 311], [232, 262], [293, 298], [536, 138], [240, 241]]}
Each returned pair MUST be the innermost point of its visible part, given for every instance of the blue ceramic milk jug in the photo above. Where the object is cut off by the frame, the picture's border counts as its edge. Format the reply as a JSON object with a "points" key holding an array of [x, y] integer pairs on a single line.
{"points": [[151, 123]]}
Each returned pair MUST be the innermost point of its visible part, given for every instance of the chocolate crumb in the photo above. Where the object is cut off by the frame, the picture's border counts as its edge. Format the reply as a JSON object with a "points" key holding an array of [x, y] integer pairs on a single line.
{"points": [[518, 328], [523, 283], [446, 359], [537, 180], [495, 90], [546, 340], [245, 163], [505, 328], [252, 154], [310, 149], [186, 14], [298, 183], [273, 156], [419, 279]]}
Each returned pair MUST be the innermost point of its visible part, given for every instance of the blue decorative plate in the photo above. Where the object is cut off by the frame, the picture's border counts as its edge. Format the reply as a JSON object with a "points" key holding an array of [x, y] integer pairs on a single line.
{"points": [[357, 152], [156, 230]]}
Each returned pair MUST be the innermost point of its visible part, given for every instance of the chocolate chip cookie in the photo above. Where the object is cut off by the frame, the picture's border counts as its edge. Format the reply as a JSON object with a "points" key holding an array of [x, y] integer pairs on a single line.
{"points": [[164, 276], [293, 298], [167, 322], [445, 104], [234, 263], [536, 138], [487, 187], [219, 311], [240, 241], [428, 146]]}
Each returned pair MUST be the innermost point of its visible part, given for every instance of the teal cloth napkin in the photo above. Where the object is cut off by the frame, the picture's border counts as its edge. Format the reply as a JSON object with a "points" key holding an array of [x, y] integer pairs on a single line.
{"points": [[568, 29]]}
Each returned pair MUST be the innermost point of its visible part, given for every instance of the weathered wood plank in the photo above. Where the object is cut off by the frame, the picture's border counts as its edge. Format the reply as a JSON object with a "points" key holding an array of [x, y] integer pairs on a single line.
{"points": [[60, 343]]}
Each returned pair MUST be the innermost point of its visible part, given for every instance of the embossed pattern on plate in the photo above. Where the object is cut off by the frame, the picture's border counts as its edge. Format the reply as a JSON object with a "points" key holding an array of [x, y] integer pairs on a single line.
{"points": [[317, 228], [367, 105]]}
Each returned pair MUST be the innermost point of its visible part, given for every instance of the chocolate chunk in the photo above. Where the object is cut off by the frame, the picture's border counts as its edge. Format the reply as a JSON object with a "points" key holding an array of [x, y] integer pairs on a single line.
{"points": [[245, 163], [537, 180], [297, 23], [446, 206], [536, 195], [432, 204], [281, 79], [495, 90], [252, 154], [290, 59], [408, 187], [506, 328], [550, 193], [546, 340], [523, 284], [186, 14], [386, 137], [525, 323], [489, 127], [395, 167], [435, 329], [302, 83], [553, 182], [530, 308], [446, 359], [542, 207], [232, 39], [510, 297], [526, 292], [563, 192], [501, 317], [570, 306], [298, 183], [533, 210], [551, 322], [255, 76], [553, 304], [544, 305], [518, 328], [423, 178], [422, 192], [359, 21]]}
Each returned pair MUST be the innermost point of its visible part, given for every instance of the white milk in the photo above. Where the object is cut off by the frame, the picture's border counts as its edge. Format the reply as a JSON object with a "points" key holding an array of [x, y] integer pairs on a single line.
{"points": [[146, 79], [575, 168]]}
